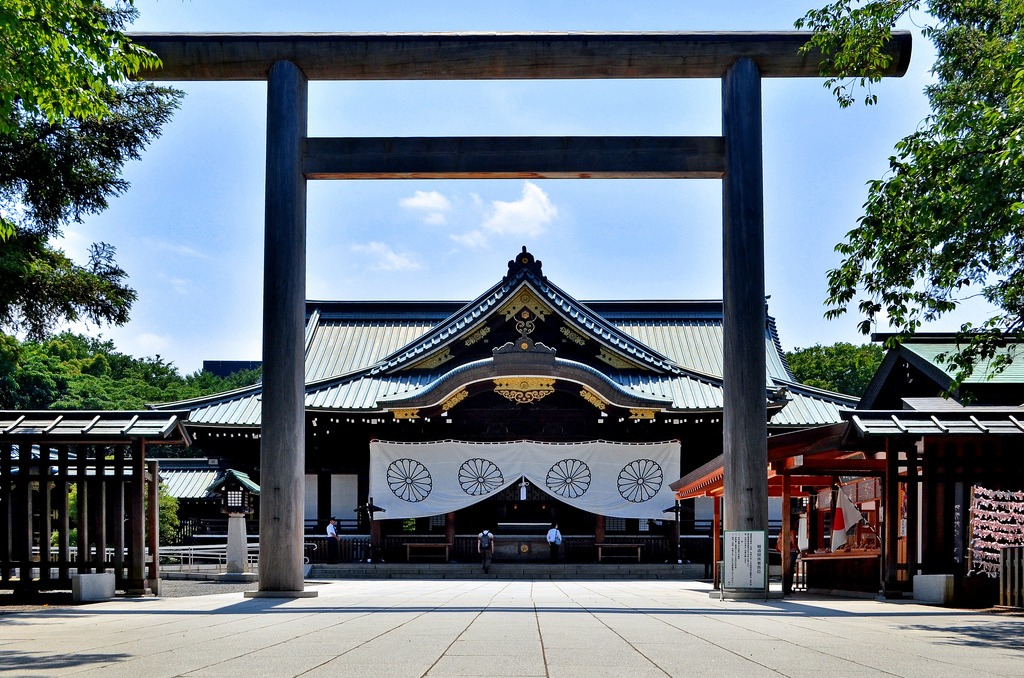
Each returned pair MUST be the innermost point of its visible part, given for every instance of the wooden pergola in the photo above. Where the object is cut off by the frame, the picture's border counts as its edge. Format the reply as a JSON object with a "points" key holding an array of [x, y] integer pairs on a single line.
{"points": [[103, 455]]}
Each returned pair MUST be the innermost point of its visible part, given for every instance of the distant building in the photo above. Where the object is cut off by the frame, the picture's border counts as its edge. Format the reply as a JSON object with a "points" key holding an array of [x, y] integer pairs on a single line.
{"points": [[225, 368]]}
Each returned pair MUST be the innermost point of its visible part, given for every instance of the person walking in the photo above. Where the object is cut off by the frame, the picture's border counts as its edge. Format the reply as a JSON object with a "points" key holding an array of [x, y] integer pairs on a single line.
{"points": [[554, 541], [333, 541], [485, 547]]}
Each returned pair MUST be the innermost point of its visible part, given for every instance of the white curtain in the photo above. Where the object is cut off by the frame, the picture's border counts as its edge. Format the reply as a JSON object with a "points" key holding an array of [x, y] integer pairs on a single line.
{"points": [[622, 480]]}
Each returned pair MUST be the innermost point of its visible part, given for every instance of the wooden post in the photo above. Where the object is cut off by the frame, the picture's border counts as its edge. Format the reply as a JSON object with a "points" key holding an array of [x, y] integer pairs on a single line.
{"points": [[745, 414], [787, 524], [911, 513], [716, 538], [598, 529], [449, 529], [98, 513], [63, 519], [153, 520], [117, 514], [136, 520], [890, 542], [46, 488], [282, 453], [82, 487]]}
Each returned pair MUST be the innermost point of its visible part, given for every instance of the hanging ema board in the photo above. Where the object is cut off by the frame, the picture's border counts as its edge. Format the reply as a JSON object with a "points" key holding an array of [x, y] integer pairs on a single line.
{"points": [[745, 560]]}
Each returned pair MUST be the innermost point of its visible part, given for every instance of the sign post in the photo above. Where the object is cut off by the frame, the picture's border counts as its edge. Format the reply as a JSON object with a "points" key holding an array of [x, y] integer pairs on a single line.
{"points": [[745, 561]]}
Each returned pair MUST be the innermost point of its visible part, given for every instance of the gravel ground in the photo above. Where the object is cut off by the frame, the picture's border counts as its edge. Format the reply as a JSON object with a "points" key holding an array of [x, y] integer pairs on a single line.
{"points": [[177, 588], [183, 588]]}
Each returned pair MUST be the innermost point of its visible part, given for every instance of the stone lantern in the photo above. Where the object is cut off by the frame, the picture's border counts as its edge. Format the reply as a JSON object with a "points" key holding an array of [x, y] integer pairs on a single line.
{"points": [[237, 491]]}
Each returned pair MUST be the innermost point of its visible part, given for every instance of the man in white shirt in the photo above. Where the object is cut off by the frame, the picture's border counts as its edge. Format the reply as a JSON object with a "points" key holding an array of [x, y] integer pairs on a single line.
{"points": [[333, 541], [554, 541]]}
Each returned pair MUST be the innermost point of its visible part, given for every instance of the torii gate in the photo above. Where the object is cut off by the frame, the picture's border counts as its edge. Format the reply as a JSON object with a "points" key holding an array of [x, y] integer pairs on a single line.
{"points": [[288, 61]]}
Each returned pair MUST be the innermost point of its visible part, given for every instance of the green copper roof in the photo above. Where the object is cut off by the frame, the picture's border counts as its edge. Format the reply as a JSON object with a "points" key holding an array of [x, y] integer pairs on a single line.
{"points": [[1013, 374]]}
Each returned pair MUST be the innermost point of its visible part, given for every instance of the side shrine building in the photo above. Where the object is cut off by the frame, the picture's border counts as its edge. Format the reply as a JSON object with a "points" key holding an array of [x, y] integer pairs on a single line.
{"points": [[517, 409]]}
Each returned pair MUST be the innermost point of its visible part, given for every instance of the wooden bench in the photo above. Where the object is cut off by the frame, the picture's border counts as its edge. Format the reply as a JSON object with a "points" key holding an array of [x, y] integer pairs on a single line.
{"points": [[629, 547], [436, 546]]}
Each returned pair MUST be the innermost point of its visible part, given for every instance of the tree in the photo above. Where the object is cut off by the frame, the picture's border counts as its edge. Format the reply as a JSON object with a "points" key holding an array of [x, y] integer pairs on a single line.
{"points": [[71, 371], [842, 367], [947, 220], [70, 118]]}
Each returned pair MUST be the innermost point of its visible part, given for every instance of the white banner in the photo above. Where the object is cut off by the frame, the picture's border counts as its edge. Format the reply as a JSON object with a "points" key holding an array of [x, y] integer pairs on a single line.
{"points": [[621, 480]]}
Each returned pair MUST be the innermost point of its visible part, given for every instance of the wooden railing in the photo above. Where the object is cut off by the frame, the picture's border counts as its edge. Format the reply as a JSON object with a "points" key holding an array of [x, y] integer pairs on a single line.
{"points": [[1011, 576]]}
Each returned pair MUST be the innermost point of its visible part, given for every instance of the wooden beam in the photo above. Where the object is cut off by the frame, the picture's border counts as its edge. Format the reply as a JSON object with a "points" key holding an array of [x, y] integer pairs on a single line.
{"points": [[490, 56], [515, 158], [835, 466]]}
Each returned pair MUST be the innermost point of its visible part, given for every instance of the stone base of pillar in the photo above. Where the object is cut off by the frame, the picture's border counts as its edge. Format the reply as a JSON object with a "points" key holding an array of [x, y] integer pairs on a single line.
{"points": [[237, 577], [280, 594], [744, 595]]}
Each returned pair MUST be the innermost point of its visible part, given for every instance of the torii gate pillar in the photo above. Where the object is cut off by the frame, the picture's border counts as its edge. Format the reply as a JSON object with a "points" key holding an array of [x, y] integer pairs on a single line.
{"points": [[283, 436], [745, 415]]}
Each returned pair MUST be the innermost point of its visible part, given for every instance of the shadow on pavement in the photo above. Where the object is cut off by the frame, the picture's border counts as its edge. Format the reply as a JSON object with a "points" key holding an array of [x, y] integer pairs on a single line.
{"points": [[37, 662]]}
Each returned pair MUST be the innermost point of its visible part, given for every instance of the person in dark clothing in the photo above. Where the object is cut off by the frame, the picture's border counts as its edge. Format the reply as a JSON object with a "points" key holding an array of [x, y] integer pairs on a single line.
{"points": [[485, 547], [333, 541], [554, 541]]}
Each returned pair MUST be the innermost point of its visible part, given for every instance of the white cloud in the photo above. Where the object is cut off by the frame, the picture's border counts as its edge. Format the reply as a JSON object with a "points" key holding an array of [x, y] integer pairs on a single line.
{"points": [[152, 342], [471, 239], [430, 202], [526, 217], [433, 203], [383, 258]]}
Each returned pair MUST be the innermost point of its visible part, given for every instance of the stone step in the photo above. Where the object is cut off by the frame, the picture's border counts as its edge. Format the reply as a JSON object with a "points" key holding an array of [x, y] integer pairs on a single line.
{"points": [[505, 571]]}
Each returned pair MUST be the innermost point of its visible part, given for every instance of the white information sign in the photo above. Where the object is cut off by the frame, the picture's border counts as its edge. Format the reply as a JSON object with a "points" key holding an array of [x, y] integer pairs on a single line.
{"points": [[746, 559]]}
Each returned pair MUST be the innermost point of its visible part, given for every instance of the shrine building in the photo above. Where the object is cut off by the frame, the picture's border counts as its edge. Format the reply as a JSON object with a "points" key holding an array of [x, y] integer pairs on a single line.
{"points": [[519, 408]]}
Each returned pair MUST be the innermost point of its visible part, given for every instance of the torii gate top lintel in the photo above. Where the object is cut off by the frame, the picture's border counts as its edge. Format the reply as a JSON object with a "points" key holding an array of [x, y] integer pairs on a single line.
{"points": [[492, 56]]}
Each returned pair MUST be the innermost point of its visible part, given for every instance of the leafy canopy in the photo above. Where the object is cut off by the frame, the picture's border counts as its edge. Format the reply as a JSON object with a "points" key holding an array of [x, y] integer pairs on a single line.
{"points": [[842, 367], [70, 118], [71, 371], [63, 59], [947, 221]]}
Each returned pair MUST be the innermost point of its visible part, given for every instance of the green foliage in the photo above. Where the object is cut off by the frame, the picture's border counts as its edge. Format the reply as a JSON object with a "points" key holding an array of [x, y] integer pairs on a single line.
{"points": [[60, 58], [168, 507], [71, 371], [842, 367], [947, 222], [70, 118]]}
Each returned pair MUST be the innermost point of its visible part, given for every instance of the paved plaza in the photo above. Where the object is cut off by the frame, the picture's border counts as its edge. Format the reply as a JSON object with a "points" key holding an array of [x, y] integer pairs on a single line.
{"points": [[508, 628]]}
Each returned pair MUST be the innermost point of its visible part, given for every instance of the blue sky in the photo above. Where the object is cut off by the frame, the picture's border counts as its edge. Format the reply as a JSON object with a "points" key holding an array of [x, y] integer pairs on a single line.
{"points": [[189, 231]]}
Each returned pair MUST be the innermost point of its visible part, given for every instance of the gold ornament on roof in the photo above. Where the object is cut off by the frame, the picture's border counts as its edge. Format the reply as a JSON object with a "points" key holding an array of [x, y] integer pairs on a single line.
{"points": [[525, 299], [433, 361], [406, 414], [524, 390], [454, 400], [594, 399], [642, 414], [572, 336], [478, 335], [618, 361]]}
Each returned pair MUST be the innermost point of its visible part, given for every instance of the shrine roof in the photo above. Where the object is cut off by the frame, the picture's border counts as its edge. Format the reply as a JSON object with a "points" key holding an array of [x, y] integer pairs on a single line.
{"points": [[363, 356]]}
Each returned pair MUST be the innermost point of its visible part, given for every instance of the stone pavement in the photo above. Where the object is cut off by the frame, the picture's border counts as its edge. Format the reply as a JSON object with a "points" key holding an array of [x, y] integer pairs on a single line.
{"points": [[508, 628]]}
